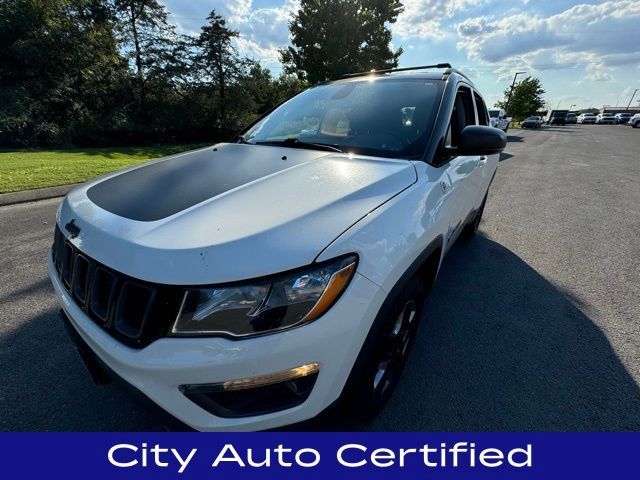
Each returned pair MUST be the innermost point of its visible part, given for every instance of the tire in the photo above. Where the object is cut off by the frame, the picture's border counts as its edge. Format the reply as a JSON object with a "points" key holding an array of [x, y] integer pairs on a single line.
{"points": [[634, 125], [470, 230], [383, 366]]}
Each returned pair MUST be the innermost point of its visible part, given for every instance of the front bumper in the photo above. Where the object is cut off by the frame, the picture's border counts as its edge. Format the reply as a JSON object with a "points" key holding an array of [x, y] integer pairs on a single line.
{"points": [[158, 370]]}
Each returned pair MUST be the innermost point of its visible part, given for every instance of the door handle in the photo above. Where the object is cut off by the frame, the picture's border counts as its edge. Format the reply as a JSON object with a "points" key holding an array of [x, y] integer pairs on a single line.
{"points": [[483, 159]]}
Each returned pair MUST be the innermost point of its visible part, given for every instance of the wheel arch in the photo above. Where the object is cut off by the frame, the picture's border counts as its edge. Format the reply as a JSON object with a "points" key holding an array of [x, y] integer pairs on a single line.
{"points": [[425, 266]]}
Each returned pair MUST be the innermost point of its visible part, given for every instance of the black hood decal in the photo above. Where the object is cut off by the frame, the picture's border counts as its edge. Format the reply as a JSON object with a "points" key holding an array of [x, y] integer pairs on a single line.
{"points": [[156, 191]]}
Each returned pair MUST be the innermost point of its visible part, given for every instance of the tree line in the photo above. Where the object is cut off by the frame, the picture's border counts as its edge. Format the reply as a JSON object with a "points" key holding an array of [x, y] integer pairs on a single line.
{"points": [[116, 72]]}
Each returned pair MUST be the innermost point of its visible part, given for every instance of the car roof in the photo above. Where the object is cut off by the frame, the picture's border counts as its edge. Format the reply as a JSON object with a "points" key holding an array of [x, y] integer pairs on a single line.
{"points": [[431, 74]]}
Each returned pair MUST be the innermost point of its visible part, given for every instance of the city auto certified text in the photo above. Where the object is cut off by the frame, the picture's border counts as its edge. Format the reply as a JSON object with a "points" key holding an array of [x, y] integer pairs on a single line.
{"points": [[352, 455]]}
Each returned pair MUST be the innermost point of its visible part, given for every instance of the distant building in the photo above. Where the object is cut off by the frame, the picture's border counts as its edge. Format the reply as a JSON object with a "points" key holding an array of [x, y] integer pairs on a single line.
{"points": [[608, 109]]}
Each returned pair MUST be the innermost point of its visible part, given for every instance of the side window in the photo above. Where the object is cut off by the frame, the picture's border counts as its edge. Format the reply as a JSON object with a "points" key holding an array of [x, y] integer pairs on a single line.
{"points": [[463, 114], [483, 118]]}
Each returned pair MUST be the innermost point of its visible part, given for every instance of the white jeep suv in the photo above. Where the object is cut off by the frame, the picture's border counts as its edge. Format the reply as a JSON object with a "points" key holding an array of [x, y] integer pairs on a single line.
{"points": [[498, 118], [254, 284]]}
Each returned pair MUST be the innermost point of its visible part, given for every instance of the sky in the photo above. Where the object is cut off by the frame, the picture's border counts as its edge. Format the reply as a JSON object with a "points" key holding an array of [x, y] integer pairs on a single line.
{"points": [[586, 53]]}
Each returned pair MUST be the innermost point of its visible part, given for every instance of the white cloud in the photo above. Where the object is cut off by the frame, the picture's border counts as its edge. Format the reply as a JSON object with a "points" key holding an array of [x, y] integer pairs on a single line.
{"points": [[233, 10], [591, 36], [424, 18], [264, 30]]}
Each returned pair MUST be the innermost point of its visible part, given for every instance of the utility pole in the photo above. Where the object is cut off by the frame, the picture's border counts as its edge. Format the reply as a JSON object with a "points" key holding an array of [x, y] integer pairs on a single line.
{"points": [[513, 84], [631, 100]]}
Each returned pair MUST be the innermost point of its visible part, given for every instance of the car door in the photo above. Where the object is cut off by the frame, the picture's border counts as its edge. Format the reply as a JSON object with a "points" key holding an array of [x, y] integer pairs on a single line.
{"points": [[460, 169], [482, 174]]}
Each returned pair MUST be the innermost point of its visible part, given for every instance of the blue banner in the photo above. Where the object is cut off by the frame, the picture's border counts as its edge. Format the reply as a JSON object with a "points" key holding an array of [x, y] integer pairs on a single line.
{"points": [[320, 455]]}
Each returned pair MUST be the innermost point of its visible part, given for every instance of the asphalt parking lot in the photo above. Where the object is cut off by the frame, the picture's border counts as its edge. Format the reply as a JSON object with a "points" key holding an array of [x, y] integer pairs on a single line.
{"points": [[532, 325]]}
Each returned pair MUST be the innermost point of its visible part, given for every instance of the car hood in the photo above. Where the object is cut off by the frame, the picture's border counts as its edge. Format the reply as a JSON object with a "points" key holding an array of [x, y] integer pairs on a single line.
{"points": [[228, 212]]}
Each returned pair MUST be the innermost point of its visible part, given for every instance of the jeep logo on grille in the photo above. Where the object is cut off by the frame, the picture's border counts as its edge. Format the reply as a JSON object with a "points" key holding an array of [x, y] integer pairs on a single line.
{"points": [[72, 228]]}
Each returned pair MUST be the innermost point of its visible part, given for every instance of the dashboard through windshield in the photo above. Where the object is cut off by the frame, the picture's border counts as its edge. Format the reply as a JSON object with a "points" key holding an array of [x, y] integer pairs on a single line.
{"points": [[389, 117]]}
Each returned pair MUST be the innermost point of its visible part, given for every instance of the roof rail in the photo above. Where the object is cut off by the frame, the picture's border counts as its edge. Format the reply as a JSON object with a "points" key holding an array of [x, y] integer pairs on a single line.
{"points": [[391, 70], [451, 70]]}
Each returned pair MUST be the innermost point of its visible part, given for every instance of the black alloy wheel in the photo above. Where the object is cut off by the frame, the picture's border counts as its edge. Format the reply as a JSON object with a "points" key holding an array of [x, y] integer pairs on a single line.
{"points": [[383, 368]]}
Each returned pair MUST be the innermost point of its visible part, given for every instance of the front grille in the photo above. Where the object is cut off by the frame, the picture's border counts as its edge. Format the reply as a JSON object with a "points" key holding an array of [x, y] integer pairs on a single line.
{"points": [[133, 311]]}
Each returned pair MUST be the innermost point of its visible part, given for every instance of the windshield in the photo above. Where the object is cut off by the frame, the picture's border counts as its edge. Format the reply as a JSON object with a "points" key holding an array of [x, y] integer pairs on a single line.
{"points": [[494, 113], [385, 117]]}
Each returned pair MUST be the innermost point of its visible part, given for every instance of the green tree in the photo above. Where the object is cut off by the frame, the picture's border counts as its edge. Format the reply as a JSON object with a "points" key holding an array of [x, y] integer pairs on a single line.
{"points": [[527, 99], [266, 91], [218, 60], [61, 75], [149, 41], [334, 37]]}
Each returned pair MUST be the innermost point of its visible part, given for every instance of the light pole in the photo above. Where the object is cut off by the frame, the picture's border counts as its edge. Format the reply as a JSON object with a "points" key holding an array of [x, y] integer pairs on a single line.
{"points": [[572, 106], [631, 100], [513, 84]]}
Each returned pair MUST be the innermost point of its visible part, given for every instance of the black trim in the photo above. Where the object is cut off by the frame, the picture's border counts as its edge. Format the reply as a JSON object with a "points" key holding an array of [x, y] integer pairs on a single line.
{"points": [[394, 70], [102, 374], [104, 295], [383, 313], [251, 402]]}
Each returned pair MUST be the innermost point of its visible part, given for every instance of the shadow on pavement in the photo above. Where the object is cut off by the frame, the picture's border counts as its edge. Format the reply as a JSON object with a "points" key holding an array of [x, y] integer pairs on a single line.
{"points": [[45, 386], [500, 348], [505, 156], [504, 349], [514, 138]]}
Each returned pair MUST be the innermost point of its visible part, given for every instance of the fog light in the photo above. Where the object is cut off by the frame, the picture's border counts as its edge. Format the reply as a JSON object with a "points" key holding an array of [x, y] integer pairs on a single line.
{"points": [[259, 395]]}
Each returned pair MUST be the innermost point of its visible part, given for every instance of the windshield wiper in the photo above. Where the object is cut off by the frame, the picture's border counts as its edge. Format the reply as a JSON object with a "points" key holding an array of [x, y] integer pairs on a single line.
{"points": [[295, 143]]}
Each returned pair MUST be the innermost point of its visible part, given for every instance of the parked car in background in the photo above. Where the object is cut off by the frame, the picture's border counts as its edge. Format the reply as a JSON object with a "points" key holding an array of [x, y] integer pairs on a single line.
{"points": [[532, 122], [622, 118], [498, 119], [557, 117], [635, 121], [571, 119], [587, 118], [605, 119]]}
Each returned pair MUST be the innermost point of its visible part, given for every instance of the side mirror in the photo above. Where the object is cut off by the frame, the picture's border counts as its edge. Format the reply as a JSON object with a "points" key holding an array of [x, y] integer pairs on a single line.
{"points": [[480, 140]]}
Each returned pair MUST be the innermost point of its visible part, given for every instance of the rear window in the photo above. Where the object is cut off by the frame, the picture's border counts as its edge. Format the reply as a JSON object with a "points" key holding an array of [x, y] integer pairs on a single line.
{"points": [[481, 108]]}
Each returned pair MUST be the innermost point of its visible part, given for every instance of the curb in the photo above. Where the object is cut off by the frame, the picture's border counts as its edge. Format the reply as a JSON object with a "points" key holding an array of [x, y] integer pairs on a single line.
{"points": [[34, 195]]}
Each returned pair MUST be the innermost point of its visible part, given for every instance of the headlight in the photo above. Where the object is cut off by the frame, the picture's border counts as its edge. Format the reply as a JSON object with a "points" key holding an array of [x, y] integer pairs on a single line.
{"points": [[263, 306]]}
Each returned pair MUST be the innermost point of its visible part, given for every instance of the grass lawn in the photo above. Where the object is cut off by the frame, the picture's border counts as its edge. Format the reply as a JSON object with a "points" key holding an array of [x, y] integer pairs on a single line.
{"points": [[27, 169]]}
